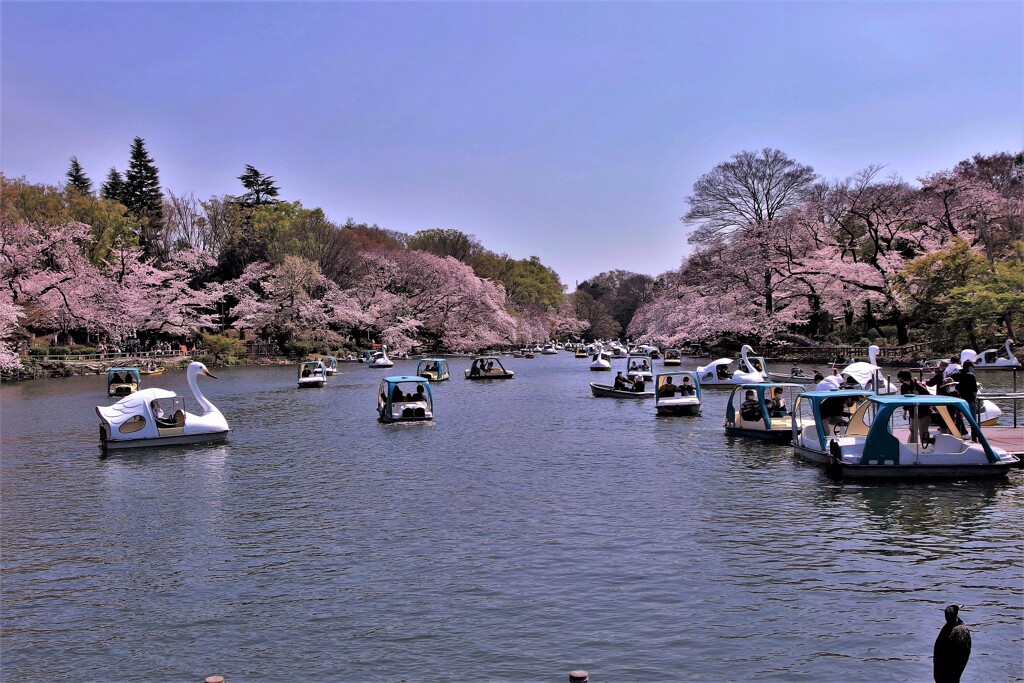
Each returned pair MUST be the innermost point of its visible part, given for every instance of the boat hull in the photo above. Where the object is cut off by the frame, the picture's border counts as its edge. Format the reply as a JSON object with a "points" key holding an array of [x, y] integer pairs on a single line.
{"points": [[176, 440], [848, 471], [779, 436], [679, 410], [312, 385], [607, 391]]}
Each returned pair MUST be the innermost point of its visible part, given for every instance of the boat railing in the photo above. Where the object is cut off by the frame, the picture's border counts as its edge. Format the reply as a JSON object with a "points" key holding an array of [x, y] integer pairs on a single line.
{"points": [[1015, 397]]}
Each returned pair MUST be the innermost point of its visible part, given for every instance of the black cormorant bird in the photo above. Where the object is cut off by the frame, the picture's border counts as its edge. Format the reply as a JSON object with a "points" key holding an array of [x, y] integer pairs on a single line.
{"points": [[952, 648]]}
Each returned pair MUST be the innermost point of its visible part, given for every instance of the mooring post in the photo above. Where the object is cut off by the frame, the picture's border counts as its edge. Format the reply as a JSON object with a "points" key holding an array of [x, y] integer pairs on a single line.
{"points": [[579, 676]]}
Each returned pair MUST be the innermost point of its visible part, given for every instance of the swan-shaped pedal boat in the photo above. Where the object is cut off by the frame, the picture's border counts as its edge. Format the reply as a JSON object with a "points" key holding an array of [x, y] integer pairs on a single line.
{"points": [[157, 417], [379, 359], [987, 360], [750, 370]]}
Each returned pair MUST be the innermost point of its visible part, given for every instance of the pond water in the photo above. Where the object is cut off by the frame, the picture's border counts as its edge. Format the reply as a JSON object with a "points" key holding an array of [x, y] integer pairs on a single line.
{"points": [[529, 530]]}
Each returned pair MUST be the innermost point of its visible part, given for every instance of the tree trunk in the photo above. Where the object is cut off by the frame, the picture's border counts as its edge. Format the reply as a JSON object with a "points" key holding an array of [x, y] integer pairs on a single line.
{"points": [[1009, 326], [902, 334], [972, 338], [768, 303]]}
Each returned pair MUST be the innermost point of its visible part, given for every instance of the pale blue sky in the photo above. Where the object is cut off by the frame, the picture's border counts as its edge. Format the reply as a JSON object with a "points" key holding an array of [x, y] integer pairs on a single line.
{"points": [[573, 131]]}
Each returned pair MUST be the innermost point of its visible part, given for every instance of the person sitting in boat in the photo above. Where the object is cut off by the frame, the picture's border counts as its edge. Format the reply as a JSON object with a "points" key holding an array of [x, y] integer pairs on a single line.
{"points": [[474, 371], [777, 407], [686, 388], [633, 367], [638, 384], [420, 394], [396, 395], [151, 366], [750, 409], [490, 366], [306, 372], [667, 389], [645, 366], [723, 372], [620, 381]]}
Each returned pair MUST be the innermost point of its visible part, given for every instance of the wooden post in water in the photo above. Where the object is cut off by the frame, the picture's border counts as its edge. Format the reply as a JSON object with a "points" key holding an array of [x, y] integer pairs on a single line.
{"points": [[579, 676]]}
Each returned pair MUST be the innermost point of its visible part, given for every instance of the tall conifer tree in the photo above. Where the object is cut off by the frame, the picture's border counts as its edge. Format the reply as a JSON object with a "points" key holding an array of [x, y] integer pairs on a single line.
{"points": [[78, 179], [142, 197], [113, 187]]}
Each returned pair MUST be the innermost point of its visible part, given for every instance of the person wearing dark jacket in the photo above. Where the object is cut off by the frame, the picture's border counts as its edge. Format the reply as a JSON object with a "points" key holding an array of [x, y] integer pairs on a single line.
{"points": [[967, 385]]}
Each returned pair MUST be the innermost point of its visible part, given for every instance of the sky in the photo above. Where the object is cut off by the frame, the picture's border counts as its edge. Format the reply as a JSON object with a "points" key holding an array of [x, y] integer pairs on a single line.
{"points": [[569, 131]]}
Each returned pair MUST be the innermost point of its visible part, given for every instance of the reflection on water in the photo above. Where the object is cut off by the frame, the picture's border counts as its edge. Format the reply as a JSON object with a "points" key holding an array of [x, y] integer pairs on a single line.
{"points": [[529, 530]]}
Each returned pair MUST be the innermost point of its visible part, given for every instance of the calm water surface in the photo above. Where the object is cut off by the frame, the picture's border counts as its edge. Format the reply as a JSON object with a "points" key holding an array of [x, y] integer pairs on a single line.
{"points": [[530, 530]]}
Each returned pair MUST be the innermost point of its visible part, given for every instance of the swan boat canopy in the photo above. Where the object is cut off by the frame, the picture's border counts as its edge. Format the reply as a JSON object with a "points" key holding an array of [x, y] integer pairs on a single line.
{"points": [[488, 367], [638, 365], [871, 442], [405, 399], [330, 365], [990, 360], [549, 350], [311, 373], [123, 381], [601, 361], [433, 369], [867, 375], [581, 352], [672, 357], [677, 393], [753, 412], [750, 369], [157, 417]]}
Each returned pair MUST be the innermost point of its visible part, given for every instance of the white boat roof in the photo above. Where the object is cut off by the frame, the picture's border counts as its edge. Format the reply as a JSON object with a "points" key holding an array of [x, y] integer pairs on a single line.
{"points": [[133, 404]]}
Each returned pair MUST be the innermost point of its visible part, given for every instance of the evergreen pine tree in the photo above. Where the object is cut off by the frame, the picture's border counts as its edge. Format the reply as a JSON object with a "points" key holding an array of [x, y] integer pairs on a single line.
{"points": [[113, 187], [78, 179], [142, 197], [260, 189]]}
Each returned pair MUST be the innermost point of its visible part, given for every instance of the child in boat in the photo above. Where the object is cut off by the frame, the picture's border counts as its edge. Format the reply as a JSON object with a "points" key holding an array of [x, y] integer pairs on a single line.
{"points": [[778, 403]]}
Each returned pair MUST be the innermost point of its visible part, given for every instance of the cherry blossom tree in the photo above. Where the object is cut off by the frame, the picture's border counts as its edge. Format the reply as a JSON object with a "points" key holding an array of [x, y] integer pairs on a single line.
{"points": [[292, 300]]}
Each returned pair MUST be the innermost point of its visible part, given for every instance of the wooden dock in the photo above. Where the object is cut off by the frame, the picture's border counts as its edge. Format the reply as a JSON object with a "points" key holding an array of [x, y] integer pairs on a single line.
{"points": [[1010, 439]]}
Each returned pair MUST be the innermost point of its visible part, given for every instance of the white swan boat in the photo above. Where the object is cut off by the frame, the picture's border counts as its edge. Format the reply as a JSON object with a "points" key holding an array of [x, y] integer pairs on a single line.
{"points": [[311, 374], [157, 417], [601, 361], [990, 360], [549, 350], [861, 435], [677, 393], [749, 369], [379, 359]]}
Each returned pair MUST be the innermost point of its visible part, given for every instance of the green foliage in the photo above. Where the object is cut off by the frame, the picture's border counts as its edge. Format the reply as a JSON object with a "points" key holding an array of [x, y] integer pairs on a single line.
{"points": [[77, 178], [993, 297], [441, 242], [926, 282], [300, 349], [528, 282], [222, 345]]}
